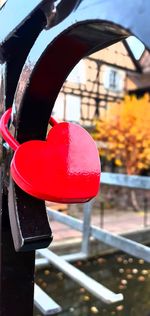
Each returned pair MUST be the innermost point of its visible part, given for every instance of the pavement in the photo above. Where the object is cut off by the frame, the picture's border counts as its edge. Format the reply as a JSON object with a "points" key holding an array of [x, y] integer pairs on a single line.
{"points": [[115, 221]]}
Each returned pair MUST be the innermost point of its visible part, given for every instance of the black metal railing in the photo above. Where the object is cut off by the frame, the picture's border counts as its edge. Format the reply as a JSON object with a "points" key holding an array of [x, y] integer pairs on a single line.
{"points": [[61, 33]]}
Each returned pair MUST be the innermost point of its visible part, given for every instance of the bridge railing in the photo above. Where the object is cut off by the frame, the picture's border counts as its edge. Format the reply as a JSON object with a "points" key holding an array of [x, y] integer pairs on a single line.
{"points": [[88, 230]]}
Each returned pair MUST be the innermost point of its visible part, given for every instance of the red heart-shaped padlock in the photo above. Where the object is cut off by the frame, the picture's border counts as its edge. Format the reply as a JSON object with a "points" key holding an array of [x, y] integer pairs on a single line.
{"points": [[64, 168]]}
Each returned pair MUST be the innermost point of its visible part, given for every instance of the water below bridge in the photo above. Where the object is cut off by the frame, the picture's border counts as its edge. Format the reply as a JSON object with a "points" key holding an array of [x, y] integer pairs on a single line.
{"points": [[119, 272]]}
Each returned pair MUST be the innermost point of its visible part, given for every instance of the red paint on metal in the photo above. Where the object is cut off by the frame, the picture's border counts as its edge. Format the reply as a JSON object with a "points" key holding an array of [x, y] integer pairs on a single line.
{"points": [[52, 121], [64, 168], [5, 132]]}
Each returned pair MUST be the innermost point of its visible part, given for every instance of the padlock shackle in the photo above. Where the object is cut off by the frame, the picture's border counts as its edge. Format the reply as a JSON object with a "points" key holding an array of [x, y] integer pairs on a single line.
{"points": [[12, 142], [52, 121], [5, 132]]}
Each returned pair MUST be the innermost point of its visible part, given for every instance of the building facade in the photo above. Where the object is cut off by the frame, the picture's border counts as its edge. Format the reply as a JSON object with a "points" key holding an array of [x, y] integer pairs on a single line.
{"points": [[96, 84]]}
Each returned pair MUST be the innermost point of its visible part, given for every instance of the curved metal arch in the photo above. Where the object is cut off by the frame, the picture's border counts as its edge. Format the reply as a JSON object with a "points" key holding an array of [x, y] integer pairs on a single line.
{"points": [[60, 50], [90, 27], [133, 16], [61, 55], [52, 68]]}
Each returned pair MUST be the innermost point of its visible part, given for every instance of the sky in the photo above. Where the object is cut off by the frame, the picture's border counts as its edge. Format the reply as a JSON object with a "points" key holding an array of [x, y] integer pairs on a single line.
{"points": [[15, 12], [14, 15], [136, 46]]}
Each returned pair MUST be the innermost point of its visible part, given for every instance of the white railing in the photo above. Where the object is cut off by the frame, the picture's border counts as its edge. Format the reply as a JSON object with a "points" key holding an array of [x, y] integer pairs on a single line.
{"points": [[119, 242]]}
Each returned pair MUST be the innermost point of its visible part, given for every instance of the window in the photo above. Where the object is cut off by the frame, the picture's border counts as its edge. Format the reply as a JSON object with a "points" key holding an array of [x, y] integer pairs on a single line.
{"points": [[73, 104], [113, 79]]}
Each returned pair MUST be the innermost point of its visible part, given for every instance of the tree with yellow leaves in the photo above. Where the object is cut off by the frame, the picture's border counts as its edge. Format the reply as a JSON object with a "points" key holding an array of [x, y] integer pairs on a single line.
{"points": [[125, 134]]}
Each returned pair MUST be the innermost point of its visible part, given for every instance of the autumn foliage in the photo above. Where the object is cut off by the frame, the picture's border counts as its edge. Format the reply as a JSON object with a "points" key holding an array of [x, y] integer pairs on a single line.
{"points": [[124, 136]]}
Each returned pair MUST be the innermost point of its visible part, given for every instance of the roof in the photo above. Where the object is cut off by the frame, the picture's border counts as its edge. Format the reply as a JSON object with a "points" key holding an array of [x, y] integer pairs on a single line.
{"points": [[134, 60], [145, 61]]}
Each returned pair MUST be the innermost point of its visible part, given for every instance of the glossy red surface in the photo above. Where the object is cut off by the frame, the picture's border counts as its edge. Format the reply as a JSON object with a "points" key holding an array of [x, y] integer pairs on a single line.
{"points": [[5, 132], [64, 168]]}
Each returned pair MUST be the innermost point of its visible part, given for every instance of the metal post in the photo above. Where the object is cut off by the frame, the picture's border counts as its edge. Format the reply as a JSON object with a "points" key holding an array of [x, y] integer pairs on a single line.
{"points": [[17, 268], [87, 210], [101, 214], [17, 277], [145, 201]]}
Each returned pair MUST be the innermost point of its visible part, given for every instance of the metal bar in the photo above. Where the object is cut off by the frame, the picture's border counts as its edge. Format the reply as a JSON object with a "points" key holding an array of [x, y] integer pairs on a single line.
{"points": [[87, 209], [116, 241], [21, 14], [76, 224], [71, 257], [145, 212], [41, 263], [44, 303], [17, 273], [126, 245], [101, 214], [30, 230], [16, 269], [95, 288], [137, 182]]}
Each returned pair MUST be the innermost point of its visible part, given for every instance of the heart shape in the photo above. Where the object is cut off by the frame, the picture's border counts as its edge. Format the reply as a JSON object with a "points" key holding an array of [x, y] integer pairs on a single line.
{"points": [[64, 168]]}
